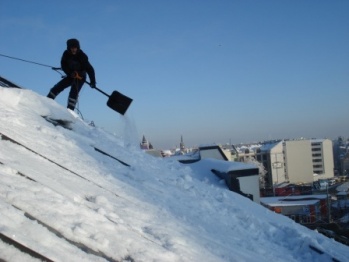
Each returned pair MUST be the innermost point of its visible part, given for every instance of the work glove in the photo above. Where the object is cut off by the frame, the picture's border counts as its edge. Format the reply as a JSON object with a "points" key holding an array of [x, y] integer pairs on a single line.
{"points": [[93, 85]]}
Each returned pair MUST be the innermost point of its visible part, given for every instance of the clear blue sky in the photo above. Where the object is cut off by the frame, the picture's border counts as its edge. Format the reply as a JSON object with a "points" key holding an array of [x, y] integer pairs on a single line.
{"points": [[212, 71]]}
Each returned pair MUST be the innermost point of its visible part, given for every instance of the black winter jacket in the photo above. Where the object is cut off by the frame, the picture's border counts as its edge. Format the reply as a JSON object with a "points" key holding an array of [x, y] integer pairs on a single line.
{"points": [[79, 63]]}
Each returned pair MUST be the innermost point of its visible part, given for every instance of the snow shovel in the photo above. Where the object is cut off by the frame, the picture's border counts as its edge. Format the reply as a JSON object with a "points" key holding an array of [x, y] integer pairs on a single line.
{"points": [[117, 101]]}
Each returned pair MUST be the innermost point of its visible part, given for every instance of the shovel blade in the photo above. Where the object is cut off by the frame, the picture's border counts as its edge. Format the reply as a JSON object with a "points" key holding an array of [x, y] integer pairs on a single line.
{"points": [[119, 102]]}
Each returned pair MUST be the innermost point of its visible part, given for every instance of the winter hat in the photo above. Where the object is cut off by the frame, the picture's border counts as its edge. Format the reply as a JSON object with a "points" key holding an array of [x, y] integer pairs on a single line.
{"points": [[73, 43]]}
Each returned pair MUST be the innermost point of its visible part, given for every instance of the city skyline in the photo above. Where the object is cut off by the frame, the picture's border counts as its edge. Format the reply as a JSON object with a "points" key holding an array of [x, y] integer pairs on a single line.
{"points": [[253, 143], [212, 71]]}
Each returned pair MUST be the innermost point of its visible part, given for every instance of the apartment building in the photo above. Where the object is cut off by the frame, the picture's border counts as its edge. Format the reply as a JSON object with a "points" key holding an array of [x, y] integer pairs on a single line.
{"points": [[299, 163], [296, 161], [322, 155], [272, 157]]}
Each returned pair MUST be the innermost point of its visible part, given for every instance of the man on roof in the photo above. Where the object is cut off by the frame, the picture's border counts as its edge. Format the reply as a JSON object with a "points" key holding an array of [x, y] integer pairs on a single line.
{"points": [[75, 65]]}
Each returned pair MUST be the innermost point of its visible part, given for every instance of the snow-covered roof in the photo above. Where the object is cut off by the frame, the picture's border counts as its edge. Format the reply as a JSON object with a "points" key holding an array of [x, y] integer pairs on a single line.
{"points": [[268, 146], [67, 201], [292, 200], [277, 203]]}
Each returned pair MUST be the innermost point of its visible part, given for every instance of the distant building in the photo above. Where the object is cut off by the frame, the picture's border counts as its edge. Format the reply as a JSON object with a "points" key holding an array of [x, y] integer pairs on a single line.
{"points": [[166, 153], [296, 161], [301, 209], [340, 153], [345, 164], [245, 153], [145, 145], [182, 148], [287, 189], [181, 145], [271, 155], [322, 157]]}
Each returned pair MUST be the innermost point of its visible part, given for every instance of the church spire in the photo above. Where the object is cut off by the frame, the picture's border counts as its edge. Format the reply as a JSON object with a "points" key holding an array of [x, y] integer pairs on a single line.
{"points": [[144, 144], [181, 145]]}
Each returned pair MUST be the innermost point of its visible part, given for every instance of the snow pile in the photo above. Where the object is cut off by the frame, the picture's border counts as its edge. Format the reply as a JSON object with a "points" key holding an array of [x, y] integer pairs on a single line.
{"points": [[62, 198]]}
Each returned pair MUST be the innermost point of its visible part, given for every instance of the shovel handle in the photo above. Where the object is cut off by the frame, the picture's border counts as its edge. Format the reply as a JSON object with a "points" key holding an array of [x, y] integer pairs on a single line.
{"points": [[104, 93]]}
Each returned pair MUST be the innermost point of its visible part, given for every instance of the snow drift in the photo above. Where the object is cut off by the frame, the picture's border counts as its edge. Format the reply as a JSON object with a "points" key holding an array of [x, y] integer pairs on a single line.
{"points": [[68, 202]]}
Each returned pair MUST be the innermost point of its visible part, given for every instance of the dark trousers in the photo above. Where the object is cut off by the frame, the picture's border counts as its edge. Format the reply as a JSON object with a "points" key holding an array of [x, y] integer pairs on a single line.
{"points": [[75, 87]]}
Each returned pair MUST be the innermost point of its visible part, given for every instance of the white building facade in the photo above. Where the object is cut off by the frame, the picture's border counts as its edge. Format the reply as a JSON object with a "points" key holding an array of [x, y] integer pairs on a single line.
{"points": [[299, 164], [297, 161]]}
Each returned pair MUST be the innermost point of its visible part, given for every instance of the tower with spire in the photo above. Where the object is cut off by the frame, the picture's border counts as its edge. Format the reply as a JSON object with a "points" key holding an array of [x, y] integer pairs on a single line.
{"points": [[145, 144], [181, 145]]}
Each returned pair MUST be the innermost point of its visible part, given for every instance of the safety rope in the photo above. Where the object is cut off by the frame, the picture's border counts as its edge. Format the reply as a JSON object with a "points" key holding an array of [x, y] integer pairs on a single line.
{"points": [[32, 62], [28, 61]]}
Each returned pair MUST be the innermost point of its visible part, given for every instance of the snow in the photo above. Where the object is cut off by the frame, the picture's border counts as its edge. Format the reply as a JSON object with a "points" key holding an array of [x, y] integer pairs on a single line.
{"points": [[277, 201], [156, 210]]}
